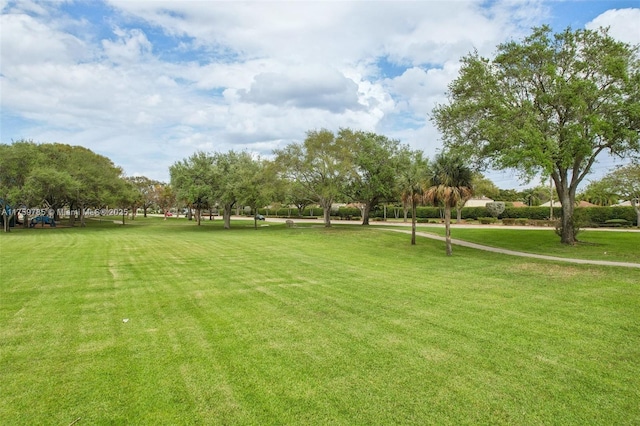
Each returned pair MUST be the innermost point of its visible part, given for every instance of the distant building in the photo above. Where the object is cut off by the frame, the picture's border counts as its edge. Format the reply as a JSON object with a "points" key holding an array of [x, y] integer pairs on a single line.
{"points": [[559, 204], [478, 202]]}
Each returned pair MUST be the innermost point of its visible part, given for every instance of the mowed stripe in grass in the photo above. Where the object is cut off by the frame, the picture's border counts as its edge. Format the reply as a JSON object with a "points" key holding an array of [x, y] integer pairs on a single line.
{"points": [[307, 326]]}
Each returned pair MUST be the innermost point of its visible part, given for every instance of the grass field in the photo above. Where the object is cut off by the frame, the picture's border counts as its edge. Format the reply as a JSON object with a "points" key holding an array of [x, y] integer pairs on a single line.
{"points": [[619, 246], [307, 326]]}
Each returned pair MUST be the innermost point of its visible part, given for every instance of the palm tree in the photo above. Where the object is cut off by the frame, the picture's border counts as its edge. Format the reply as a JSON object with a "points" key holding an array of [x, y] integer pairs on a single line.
{"points": [[450, 182], [412, 176]]}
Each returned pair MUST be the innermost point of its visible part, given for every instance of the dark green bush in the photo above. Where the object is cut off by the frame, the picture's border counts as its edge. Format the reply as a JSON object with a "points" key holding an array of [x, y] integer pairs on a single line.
{"points": [[487, 220], [617, 223], [591, 216], [474, 212], [349, 213]]}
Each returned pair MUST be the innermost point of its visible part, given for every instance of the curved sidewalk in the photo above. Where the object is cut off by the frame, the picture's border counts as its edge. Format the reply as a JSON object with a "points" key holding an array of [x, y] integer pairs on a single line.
{"points": [[518, 253]]}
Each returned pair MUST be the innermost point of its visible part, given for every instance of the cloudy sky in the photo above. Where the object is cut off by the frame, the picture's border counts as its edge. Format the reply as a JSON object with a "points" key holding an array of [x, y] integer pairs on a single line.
{"points": [[147, 83]]}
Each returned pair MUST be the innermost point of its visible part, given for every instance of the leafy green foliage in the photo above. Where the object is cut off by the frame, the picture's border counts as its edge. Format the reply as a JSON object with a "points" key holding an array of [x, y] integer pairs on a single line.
{"points": [[495, 208], [377, 161], [547, 104], [599, 193], [625, 181], [321, 165], [450, 183], [413, 178], [56, 175], [193, 181]]}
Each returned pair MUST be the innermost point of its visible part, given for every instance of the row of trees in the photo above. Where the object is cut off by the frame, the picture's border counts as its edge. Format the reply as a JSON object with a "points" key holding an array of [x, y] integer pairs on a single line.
{"points": [[325, 168], [549, 105], [355, 166], [56, 176]]}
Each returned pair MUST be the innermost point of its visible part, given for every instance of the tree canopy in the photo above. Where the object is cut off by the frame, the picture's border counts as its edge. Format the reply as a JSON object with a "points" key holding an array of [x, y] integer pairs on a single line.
{"points": [[376, 161], [625, 181], [450, 181], [320, 164], [56, 175], [549, 104]]}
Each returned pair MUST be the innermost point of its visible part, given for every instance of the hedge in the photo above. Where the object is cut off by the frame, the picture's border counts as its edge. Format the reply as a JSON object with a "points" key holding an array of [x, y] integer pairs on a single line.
{"points": [[594, 215]]}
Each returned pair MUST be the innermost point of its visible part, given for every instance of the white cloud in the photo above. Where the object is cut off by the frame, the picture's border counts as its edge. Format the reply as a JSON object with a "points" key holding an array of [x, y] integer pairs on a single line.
{"points": [[28, 41], [239, 75], [130, 47], [304, 88], [624, 24]]}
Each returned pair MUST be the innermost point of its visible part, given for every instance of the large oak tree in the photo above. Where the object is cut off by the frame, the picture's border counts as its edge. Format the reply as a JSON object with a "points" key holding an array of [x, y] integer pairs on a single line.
{"points": [[549, 104], [193, 179], [375, 161], [320, 165]]}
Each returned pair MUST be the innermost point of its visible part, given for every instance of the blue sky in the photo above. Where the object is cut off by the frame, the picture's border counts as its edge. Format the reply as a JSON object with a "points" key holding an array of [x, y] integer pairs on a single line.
{"points": [[147, 83]]}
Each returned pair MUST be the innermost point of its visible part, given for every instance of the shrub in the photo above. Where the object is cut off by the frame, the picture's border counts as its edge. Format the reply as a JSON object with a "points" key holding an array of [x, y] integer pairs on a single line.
{"points": [[495, 208], [474, 212], [617, 222], [349, 213], [487, 220], [313, 211], [508, 222]]}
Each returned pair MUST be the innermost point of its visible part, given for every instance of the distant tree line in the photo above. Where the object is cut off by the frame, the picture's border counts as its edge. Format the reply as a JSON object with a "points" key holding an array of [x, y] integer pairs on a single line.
{"points": [[547, 105]]}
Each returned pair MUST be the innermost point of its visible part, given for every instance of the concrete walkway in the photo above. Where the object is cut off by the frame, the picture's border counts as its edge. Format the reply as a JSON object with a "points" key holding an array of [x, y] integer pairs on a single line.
{"points": [[401, 227], [518, 253]]}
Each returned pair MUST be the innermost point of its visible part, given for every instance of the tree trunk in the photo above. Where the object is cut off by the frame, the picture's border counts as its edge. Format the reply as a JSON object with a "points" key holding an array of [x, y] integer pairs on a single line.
{"points": [[413, 223], [227, 215], [198, 214], [458, 214], [326, 212], [636, 205], [6, 218], [567, 231], [447, 229], [365, 213]]}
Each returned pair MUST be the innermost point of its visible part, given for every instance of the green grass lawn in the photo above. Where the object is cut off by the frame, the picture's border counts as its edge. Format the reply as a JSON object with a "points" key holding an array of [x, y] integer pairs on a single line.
{"points": [[620, 246], [306, 325]]}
